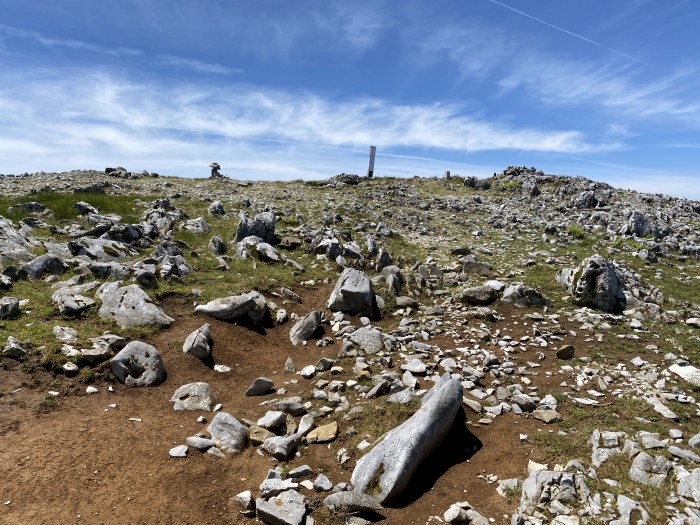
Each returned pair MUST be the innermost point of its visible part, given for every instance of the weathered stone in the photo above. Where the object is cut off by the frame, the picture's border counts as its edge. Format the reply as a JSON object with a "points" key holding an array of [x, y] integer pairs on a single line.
{"points": [[305, 327], [260, 387], [138, 364], [404, 447], [547, 415], [199, 342], [288, 508], [282, 447], [194, 396], [323, 434], [523, 296], [595, 283], [565, 352], [70, 300], [46, 264], [353, 294], [251, 305], [479, 295], [227, 432], [9, 307], [15, 349], [129, 306], [649, 470], [351, 501]]}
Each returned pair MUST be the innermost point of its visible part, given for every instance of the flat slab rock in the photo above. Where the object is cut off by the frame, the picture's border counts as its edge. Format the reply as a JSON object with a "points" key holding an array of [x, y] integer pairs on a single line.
{"points": [[252, 305], [688, 373], [288, 508], [129, 306], [194, 396]]}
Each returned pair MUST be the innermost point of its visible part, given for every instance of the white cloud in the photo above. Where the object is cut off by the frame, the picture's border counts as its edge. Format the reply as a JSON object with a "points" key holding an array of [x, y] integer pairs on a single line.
{"points": [[614, 89], [67, 43], [474, 48], [66, 119], [360, 25], [197, 65]]}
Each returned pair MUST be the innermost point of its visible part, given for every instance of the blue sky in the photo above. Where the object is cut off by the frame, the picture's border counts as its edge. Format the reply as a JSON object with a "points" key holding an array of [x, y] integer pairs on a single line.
{"points": [[300, 89]]}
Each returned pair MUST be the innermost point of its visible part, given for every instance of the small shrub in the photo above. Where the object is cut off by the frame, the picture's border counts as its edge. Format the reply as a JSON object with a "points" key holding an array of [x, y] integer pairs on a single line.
{"points": [[577, 232]]}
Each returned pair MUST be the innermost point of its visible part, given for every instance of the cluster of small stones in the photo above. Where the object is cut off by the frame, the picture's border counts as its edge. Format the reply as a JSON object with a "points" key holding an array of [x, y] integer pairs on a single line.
{"points": [[498, 370]]}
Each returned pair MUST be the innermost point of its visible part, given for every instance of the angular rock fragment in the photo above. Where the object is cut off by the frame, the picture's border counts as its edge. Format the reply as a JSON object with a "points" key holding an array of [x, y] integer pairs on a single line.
{"points": [[199, 342], [353, 294], [595, 283], [305, 327]]}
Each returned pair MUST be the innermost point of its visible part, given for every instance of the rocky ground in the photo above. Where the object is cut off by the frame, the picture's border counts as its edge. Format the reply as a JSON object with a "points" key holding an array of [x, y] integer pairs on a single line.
{"points": [[518, 349]]}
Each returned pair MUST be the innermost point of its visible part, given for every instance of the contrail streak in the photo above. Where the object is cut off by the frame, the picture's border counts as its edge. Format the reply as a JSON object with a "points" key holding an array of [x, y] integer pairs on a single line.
{"points": [[571, 33]]}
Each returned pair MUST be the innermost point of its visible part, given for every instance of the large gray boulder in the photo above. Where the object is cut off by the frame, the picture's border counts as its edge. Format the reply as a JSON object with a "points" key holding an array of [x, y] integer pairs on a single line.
{"points": [[368, 338], [305, 327], [199, 342], [353, 294], [400, 451], [138, 364], [251, 305], [595, 283], [129, 306], [228, 433], [262, 226]]}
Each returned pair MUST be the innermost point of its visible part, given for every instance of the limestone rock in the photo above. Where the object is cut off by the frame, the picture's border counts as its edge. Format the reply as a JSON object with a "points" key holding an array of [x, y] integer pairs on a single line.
{"points": [[194, 396], [595, 283], [227, 432], [260, 387], [305, 327], [9, 307], [199, 342], [138, 364], [353, 294], [129, 306], [251, 305], [404, 447], [287, 508]]}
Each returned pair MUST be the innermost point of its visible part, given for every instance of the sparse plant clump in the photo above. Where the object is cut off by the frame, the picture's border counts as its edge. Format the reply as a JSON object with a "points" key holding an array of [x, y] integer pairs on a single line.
{"points": [[577, 232]]}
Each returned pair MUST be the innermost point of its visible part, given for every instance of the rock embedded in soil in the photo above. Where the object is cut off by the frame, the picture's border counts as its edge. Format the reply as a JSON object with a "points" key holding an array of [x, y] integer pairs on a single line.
{"points": [[199, 342], [228, 433], [403, 448], [251, 305], [305, 327], [194, 396], [260, 387], [138, 364], [288, 508], [9, 307], [353, 294], [129, 306]]}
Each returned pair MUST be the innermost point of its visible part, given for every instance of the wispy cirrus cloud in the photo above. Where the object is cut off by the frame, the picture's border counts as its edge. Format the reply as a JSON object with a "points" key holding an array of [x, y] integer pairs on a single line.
{"points": [[85, 116], [621, 90], [474, 48], [358, 25], [197, 65], [57, 43]]}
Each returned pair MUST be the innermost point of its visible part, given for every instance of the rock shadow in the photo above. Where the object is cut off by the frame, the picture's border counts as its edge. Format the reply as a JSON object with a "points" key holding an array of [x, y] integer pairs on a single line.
{"points": [[458, 446]]}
